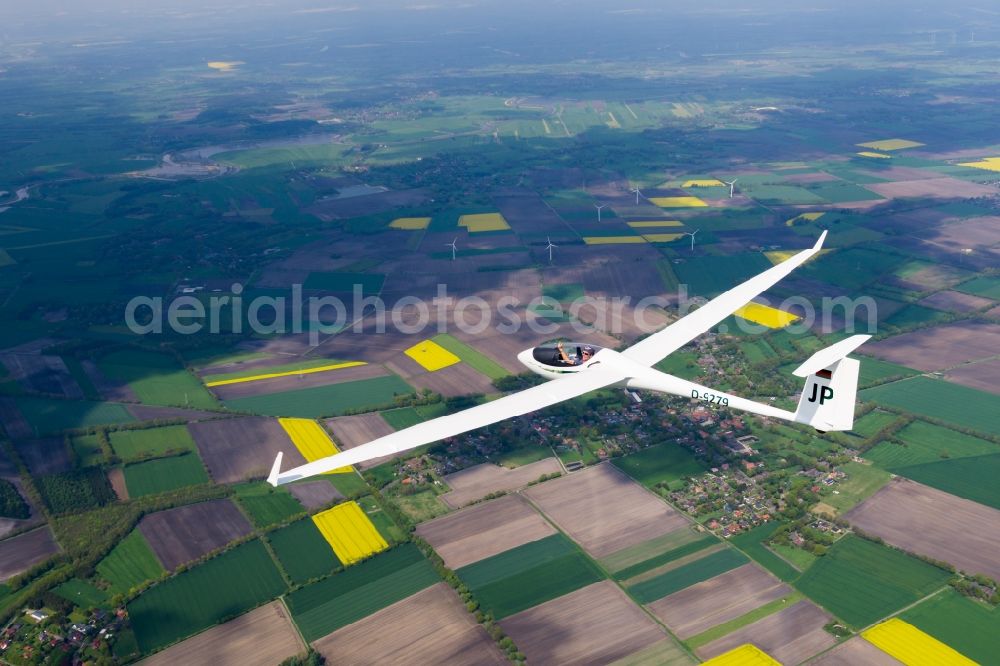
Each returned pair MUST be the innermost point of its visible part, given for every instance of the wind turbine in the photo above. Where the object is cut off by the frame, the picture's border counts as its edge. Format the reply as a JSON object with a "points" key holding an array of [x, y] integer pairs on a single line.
{"points": [[691, 234], [453, 247], [599, 207], [550, 246], [731, 184], [637, 194]]}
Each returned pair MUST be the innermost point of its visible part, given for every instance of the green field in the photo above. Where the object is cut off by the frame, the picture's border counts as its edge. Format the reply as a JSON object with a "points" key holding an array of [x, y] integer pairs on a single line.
{"points": [[666, 556], [799, 558], [476, 359], [987, 287], [82, 593], [205, 595], [968, 626], [130, 563], [711, 275], [332, 400], [261, 370], [861, 483], [371, 283], [528, 575], [872, 422], [163, 474], [756, 614], [860, 581], [138, 444], [873, 371], [302, 551], [687, 575], [359, 591], [660, 463], [266, 505], [854, 267], [914, 315], [752, 543], [942, 400], [564, 293], [47, 415], [524, 455], [348, 485], [642, 552], [88, 449], [842, 192], [973, 478], [682, 363], [157, 379], [927, 443]]}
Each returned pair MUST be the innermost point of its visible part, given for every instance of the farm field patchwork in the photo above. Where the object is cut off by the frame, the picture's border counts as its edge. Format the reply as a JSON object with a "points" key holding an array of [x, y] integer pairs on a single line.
{"points": [[682, 577], [528, 575], [266, 505], [156, 379], [410, 223], [660, 463], [861, 581], [711, 275], [941, 400], [163, 474], [642, 554], [185, 533], [82, 593], [745, 655], [861, 483], [311, 440], [329, 400], [752, 541], [130, 563], [654, 224], [346, 597], [678, 202], [349, 532], [685, 550], [872, 422], [912, 646], [47, 415], [204, 595], [480, 222], [302, 551], [477, 360], [874, 370], [987, 164], [926, 443], [429, 627], [613, 240], [790, 636], [972, 477], [987, 287], [273, 373], [890, 144], [238, 449], [965, 625], [431, 356]]}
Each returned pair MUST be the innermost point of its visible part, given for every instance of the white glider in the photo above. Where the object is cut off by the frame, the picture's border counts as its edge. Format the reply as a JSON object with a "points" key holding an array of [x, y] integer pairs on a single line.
{"points": [[827, 400]]}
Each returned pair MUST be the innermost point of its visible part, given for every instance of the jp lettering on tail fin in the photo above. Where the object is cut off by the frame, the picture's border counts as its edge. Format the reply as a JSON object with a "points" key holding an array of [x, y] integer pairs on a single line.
{"points": [[827, 400]]}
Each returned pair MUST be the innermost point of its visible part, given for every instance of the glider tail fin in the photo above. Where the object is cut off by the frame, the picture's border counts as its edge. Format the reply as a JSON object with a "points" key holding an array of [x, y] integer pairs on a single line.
{"points": [[828, 398]]}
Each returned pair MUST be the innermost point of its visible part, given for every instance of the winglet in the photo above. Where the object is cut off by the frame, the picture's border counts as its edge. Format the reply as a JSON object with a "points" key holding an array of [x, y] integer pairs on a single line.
{"points": [[819, 243], [824, 358], [272, 478]]}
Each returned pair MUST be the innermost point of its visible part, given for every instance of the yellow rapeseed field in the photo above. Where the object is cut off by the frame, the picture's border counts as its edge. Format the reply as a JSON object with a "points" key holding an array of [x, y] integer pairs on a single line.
{"points": [[765, 315], [988, 163], [655, 223], [912, 646], [804, 217], [349, 532], [483, 222], [612, 240], [431, 356], [678, 202], [868, 153], [311, 440], [410, 223], [661, 238], [225, 65], [703, 182], [286, 373], [890, 144], [745, 655], [778, 256]]}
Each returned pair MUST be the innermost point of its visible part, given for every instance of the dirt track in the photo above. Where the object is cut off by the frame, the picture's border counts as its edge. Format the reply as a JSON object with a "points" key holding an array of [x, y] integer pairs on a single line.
{"points": [[930, 522], [604, 510], [717, 600], [791, 636], [186, 533], [264, 636], [594, 625], [483, 530], [430, 627]]}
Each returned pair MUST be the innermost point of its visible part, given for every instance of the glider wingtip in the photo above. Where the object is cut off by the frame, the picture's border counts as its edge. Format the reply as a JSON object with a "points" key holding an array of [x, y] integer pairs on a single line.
{"points": [[822, 237], [272, 478]]}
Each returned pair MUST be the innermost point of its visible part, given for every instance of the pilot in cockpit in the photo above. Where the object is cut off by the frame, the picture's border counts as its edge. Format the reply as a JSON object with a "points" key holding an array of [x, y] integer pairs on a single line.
{"points": [[582, 356]]}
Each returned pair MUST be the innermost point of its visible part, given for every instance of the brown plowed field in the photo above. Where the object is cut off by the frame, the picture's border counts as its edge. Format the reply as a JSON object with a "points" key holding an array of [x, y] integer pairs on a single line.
{"points": [[717, 600], [116, 477], [264, 636], [984, 376], [479, 481], [293, 382], [351, 431], [939, 347], [942, 188], [237, 449], [24, 551], [604, 510], [791, 636], [45, 456], [430, 627], [931, 522], [956, 301], [186, 533], [855, 652], [458, 379], [314, 494], [594, 625], [483, 530]]}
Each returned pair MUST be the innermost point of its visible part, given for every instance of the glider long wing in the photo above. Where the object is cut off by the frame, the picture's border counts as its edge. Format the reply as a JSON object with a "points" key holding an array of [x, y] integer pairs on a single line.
{"points": [[529, 400], [661, 344]]}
